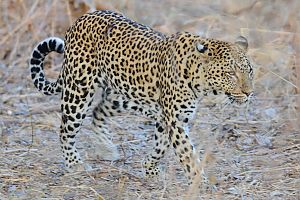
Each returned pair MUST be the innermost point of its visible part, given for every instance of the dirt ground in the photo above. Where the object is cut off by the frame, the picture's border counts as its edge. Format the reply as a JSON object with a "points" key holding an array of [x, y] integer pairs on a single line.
{"points": [[249, 153]]}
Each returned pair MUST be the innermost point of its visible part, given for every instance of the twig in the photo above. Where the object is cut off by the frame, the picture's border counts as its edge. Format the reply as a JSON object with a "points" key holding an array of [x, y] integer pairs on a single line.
{"points": [[18, 150], [283, 79]]}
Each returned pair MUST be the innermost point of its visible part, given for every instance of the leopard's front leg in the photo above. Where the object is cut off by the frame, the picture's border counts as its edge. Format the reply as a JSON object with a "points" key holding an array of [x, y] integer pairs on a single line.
{"points": [[184, 150], [179, 108], [161, 145]]}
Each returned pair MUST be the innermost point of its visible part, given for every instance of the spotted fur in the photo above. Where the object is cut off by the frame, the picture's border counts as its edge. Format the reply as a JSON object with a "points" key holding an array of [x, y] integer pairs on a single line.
{"points": [[143, 71]]}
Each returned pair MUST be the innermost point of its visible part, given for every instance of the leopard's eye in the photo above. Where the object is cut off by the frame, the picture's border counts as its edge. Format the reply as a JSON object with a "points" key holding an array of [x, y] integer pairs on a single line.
{"points": [[231, 73]]}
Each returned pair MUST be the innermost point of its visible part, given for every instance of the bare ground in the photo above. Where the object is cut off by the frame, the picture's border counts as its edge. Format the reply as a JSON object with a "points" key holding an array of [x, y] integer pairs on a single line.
{"points": [[248, 153]]}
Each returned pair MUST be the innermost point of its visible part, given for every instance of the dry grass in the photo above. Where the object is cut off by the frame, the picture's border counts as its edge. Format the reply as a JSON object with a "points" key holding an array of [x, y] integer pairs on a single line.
{"points": [[249, 155]]}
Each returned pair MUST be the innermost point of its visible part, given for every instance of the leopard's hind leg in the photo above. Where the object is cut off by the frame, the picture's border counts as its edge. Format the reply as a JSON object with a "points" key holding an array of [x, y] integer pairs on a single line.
{"points": [[113, 103], [74, 108], [110, 104]]}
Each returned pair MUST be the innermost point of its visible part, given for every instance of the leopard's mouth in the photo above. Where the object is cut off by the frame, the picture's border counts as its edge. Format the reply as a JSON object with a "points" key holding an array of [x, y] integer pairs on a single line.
{"points": [[239, 98]]}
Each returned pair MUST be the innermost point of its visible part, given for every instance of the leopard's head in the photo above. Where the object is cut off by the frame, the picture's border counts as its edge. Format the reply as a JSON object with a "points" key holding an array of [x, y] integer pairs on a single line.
{"points": [[221, 67]]}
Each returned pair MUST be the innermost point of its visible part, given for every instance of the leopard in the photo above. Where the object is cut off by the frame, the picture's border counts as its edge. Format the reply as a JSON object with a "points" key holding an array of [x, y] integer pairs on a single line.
{"points": [[143, 71]]}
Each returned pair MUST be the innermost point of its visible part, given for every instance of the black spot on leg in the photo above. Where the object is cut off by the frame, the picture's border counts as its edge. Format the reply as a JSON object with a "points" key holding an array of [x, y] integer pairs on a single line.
{"points": [[71, 136], [76, 125], [67, 148], [73, 109], [64, 118], [171, 132], [160, 129], [71, 118], [125, 105], [81, 106], [183, 106], [180, 130], [154, 157], [188, 168], [157, 151], [64, 138], [173, 124], [70, 128], [116, 105]]}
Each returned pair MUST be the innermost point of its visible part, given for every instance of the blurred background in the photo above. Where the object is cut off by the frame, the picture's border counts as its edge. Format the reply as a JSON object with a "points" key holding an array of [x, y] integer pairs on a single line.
{"points": [[248, 153]]}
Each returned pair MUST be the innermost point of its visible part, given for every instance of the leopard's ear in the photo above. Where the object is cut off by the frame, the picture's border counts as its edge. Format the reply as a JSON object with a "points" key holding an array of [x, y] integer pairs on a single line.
{"points": [[242, 42]]}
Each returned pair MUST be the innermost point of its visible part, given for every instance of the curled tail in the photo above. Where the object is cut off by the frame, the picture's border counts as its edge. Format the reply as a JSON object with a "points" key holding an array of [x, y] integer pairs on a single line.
{"points": [[36, 64]]}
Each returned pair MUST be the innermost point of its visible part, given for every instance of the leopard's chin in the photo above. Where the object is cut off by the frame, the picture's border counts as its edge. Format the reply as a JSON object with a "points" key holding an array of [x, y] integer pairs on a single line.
{"points": [[238, 99]]}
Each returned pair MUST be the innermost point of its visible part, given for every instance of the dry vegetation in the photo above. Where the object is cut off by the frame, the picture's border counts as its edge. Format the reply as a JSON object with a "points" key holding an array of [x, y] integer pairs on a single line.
{"points": [[249, 153]]}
